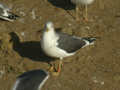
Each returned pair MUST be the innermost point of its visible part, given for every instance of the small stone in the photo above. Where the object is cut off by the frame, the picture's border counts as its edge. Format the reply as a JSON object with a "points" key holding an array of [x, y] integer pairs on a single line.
{"points": [[2, 73], [33, 14], [22, 13], [69, 24], [23, 33], [102, 83], [87, 27]]}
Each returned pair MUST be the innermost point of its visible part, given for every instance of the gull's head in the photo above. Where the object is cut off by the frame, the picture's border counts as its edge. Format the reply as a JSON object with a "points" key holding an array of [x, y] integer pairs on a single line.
{"points": [[49, 26]]}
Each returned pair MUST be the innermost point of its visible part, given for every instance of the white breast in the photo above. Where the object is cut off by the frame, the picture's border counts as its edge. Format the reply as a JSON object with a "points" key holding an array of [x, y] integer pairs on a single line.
{"points": [[48, 43], [84, 2], [49, 46]]}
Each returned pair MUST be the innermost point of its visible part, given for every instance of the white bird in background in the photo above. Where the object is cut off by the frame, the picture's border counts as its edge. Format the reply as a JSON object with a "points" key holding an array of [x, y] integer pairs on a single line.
{"points": [[82, 2], [60, 45], [5, 13]]}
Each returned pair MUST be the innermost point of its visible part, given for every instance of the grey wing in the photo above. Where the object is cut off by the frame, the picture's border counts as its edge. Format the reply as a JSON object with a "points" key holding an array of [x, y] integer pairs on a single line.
{"points": [[31, 80], [1, 11], [70, 43]]}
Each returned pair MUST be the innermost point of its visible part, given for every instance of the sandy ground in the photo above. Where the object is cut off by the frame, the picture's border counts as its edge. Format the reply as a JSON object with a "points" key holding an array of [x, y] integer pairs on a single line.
{"points": [[95, 67]]}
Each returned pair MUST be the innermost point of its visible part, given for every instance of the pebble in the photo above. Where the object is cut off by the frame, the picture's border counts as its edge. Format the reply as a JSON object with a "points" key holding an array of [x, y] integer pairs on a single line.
{"points": [[95, 80], [33, 14], [2, 73]]}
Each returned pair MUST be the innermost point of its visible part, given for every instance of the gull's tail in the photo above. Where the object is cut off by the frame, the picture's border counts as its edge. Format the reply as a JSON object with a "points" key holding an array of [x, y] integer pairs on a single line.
{"points": [[89, 41], [10, 17], [13, 16]]}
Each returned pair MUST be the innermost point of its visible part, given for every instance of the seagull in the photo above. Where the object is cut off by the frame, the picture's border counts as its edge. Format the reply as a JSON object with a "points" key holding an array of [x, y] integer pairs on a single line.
{"points": [[60, 45], [81, 2], [5, 13], [31, 80]]}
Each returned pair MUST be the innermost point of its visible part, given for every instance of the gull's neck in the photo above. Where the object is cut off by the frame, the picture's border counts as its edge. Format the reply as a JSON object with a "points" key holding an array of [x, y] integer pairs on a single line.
{"points": [[51, 33], [50, 38]]}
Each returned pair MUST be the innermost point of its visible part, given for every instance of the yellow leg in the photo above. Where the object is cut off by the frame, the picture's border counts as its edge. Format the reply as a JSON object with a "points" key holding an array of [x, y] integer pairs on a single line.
{"points": [[77, 13], [58, 70], [51, 69], [86, 14], [59, 66]]}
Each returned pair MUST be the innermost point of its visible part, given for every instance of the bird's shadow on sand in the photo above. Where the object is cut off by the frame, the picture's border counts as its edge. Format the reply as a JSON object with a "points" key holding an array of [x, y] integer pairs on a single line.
{"points": [[30, 49], [65, 4]]}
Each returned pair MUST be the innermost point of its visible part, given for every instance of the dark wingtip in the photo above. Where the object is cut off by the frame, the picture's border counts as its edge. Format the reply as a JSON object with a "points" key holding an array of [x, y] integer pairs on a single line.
{"points": [[90, 39], [10, 18], [13, 16]]}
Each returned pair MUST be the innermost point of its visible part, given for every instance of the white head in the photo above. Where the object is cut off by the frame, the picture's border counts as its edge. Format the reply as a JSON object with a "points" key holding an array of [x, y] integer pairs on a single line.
{"points": [[49, 26]]}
